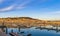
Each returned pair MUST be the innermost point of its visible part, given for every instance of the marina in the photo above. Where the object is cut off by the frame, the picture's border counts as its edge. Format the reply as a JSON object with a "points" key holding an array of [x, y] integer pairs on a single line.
{"points": [[28, 31]]}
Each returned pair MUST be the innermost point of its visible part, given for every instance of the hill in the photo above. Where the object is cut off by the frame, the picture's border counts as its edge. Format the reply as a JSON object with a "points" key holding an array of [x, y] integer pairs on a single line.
{"points": [[26, 21]]}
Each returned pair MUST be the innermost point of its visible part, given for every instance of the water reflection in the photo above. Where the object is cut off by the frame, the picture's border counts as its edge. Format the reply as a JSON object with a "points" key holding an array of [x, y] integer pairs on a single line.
{"points": [[57, 30], [33, 31]]}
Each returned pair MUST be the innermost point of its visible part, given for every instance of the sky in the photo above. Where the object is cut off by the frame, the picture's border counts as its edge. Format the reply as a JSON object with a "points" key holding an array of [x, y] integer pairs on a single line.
{"points": [[40, 9]]}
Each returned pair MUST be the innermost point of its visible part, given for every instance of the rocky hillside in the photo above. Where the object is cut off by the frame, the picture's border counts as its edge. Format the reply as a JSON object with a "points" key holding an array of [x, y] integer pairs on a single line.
{"points": [[25, 21]]}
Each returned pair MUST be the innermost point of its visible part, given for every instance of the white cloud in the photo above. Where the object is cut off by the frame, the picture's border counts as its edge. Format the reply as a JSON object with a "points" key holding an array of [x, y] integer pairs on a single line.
{"points": [[1, 1], [22, 5], [56, 12], [7, 8], [15, 6]]}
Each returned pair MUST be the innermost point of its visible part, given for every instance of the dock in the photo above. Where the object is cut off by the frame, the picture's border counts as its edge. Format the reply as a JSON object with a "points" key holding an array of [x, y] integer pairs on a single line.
{"points": [[57, 29], [2, 33]]}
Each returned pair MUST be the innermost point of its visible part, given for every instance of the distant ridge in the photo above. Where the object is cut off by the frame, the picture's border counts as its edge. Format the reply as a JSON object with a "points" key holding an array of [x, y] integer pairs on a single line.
{"points": [[26, 21], [20, 18]]}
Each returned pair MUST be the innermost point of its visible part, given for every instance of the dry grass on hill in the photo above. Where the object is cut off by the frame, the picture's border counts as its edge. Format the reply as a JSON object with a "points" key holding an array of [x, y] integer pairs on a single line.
{"points": [[26, 21]]}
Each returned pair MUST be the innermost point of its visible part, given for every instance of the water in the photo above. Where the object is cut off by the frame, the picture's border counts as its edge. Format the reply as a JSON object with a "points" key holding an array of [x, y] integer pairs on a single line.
{"points": [[35, 32]]}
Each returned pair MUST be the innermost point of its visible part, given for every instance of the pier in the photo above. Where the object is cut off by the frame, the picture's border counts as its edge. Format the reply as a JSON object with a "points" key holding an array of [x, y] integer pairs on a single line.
{"points": [[50, 27], [2, 33]]}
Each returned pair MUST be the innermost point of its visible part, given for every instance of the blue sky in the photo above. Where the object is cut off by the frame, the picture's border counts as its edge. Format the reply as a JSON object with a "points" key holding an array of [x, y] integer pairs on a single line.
{"points": [[40, 9]]}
